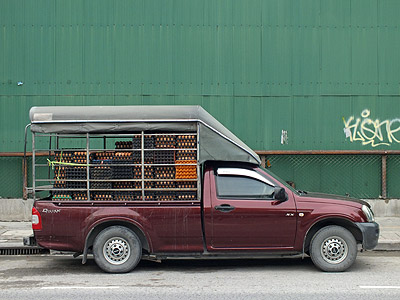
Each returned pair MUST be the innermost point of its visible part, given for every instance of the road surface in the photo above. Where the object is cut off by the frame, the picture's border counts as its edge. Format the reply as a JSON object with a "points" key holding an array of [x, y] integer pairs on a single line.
{"points": [[375, 275]]}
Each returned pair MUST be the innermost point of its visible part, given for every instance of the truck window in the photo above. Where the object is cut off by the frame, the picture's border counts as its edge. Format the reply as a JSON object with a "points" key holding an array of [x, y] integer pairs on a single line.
{"points": [[243, 188]]}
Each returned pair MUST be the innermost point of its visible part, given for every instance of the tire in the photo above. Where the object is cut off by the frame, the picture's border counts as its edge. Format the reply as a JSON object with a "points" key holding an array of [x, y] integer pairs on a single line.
{"points": [[333, 249], [117, 249]]}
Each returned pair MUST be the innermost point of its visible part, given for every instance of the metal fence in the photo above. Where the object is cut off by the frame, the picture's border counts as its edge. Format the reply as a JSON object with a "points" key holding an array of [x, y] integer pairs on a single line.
{"points": [[358, 176], [361, 174]]}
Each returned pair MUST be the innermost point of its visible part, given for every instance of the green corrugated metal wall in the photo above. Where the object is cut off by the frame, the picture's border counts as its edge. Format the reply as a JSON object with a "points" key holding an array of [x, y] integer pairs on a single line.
{"points": [[259, 66]]}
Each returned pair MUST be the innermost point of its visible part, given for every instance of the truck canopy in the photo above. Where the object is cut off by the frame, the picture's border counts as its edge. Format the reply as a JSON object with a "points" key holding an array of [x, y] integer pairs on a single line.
{"points": [[216, 141]]}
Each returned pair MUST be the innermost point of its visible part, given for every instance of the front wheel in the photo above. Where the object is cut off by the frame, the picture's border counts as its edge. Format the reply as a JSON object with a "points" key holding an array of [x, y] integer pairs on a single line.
{"points": [[333, 249], [117, 249]]}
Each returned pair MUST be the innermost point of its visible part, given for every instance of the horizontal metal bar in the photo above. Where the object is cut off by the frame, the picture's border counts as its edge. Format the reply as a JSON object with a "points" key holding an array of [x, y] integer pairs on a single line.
{"points": [[114, 190], [61, 180], [171, 149], [94, 135], [120, 165], [328, 152], [68, 136], [124, 202], [259, 152], [58, 150], [169, 189], [114, 180], [119, 121], [21, 154], [113, 150], [39, 188]]}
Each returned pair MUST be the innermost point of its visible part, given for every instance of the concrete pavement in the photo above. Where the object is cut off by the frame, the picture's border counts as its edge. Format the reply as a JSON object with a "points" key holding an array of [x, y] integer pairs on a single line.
{"points": [[374, 275], [11, 233]]}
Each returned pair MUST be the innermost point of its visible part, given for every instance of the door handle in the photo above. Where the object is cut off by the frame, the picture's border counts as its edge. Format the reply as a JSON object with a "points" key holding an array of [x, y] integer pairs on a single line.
{"points": [[224, 207]]}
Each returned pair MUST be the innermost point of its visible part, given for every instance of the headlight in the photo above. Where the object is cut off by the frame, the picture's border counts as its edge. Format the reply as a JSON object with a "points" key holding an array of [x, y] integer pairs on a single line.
{"points": [[368, 213]]}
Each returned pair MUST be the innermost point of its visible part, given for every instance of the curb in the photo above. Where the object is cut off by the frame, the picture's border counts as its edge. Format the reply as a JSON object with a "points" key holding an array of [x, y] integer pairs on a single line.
{"points": [[388, 246]]}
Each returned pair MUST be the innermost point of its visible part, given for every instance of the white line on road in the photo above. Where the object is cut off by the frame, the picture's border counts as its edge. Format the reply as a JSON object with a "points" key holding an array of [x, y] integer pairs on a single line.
{"points": [[78, 287], [379, 287]]}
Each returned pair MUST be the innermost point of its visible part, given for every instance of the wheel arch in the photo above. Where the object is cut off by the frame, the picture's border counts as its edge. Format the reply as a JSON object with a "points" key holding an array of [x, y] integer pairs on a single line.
{"points": [[345, 223], [103, 225]]}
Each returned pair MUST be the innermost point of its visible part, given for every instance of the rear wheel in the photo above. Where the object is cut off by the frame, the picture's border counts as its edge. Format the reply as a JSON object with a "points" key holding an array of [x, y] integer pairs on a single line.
{"points": [[333, 249], [117, 249]]}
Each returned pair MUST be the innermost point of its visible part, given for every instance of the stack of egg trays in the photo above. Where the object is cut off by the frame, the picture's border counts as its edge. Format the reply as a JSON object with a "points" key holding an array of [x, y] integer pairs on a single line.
{"points": [[164, 184], [101, 172], [186, 196], [164, 157], [164, 172], [120, 185], [164, 141], [123, 171], [127, 196], [148, 142], [186, 184], [102, 196], [76, 173]]}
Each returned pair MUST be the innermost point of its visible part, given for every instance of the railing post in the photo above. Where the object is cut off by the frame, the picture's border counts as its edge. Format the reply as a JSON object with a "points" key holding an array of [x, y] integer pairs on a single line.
{"points": [[263, 159], [384, 194], [25, 179]]}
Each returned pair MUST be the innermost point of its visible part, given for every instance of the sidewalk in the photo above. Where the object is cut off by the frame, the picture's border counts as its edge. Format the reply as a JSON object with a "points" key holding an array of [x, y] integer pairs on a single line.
{"points": [[11, 233]]}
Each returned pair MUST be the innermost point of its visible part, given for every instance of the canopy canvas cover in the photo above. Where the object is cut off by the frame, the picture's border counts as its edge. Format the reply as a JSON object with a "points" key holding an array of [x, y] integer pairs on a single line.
{"points": [[216, 141]]}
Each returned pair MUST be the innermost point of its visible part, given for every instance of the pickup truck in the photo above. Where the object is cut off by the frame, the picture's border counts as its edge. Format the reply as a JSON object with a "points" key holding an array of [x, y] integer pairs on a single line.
{"points": [[231, 208]]}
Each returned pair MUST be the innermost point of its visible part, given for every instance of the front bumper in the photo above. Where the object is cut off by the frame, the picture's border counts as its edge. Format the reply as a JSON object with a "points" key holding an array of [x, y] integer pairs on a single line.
{"points": [[370, 234]]}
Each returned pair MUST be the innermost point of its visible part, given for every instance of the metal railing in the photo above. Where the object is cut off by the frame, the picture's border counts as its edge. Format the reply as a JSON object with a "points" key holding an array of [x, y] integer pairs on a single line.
{"points": [[373, 173]]}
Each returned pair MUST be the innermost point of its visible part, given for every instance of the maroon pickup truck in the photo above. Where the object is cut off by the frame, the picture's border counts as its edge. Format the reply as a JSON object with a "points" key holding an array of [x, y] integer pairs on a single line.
{"points": [[213, 208]]}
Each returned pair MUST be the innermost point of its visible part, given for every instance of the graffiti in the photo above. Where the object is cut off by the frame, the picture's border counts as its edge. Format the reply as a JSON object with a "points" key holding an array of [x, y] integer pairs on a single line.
{"points": [[372, 132]]}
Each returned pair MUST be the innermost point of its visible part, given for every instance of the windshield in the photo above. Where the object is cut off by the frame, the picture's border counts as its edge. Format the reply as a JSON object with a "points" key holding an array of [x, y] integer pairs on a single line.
{"points": [[277, 178]]}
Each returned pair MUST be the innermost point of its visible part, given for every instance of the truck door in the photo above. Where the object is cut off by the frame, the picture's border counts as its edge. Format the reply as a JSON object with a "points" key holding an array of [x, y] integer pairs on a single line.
{"points": [[245, 215]]}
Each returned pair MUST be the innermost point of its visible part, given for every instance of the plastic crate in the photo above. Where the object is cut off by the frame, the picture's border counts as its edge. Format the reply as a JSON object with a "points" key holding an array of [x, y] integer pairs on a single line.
{"points": [[184, 171]]}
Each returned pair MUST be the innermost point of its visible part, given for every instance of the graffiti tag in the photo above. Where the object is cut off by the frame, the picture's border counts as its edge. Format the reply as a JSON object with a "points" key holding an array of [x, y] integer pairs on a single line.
{"points": [[372, 132]]}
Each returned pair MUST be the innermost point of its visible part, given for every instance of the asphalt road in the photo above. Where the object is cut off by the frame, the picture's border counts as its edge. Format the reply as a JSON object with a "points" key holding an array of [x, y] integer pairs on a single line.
{"points": [[375, 275]]}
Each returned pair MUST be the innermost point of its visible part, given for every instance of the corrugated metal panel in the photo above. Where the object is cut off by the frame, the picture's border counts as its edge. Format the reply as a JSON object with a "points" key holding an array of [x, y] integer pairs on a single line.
{"points": [[260, 66], [169, 51]]}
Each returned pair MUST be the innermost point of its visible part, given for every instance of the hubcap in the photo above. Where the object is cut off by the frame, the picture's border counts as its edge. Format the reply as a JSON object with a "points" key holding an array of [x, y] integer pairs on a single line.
{"points": [[116, 251], [334, 250]]}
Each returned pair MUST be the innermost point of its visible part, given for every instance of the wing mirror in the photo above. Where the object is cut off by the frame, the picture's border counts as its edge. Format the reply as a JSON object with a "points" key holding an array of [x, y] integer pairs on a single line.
{"points": [[280, 194]]}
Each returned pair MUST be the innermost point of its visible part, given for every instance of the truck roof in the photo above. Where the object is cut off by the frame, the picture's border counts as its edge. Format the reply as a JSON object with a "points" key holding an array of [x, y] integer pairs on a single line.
{"points": [[216, 141]]}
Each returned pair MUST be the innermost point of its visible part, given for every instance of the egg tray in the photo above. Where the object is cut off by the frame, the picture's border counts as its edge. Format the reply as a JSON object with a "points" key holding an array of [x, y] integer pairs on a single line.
{"points": [[164, 157], [76, 185], [102, 196], [127, 185], [127, 196], [186, 141], [101, 172], [164, 172], [101, 185], [76, 173], [164, 141]]}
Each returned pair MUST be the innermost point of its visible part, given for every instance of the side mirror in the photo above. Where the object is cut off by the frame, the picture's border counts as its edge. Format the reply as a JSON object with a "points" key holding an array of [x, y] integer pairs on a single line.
{"points": [[280, 194]]}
